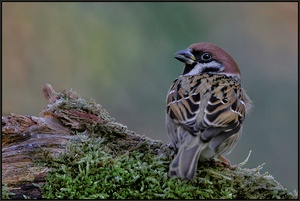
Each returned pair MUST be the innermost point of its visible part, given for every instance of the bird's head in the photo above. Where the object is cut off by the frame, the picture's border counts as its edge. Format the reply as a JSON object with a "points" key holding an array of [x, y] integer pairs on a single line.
{"points": [[207, 58]]}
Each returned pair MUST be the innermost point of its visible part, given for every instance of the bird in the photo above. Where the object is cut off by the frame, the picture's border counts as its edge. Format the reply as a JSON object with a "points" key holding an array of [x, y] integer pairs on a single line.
{"points": [[205, 108]]}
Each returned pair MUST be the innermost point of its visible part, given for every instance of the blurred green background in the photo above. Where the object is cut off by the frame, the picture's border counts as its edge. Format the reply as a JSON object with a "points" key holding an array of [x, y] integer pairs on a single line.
{"points": [[122, 56]]}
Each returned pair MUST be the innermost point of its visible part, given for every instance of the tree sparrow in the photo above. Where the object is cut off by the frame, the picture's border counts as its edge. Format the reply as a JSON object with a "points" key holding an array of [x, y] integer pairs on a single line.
{"points": [[206, 107]]}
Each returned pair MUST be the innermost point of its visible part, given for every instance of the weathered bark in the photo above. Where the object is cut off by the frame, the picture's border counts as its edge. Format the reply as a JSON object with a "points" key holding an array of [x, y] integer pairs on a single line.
{"points": [[24, 139], [27, 139]]}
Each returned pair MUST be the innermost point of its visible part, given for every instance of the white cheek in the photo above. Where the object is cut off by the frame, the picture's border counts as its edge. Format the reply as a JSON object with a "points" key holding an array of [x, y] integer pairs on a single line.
{"points": [[212, 64], [200, 67]]}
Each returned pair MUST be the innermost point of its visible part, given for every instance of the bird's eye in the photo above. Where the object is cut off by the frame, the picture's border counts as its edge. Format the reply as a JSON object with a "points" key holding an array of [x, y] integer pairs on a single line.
{"points": [[206, 56]]}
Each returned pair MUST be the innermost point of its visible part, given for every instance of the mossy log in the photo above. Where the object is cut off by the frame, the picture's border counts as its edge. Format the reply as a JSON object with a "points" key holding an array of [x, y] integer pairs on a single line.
{"points": [[75, 149]]}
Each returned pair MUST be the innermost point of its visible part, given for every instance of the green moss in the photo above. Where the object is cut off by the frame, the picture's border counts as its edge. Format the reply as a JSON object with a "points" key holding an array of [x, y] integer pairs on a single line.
{"points": [[91, 169], [86, 171], [108, 161], [5, 193]]}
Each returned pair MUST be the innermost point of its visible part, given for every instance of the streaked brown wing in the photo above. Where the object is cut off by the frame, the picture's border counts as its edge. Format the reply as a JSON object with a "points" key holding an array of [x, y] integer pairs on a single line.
{"points": [[223, 115], [183, 106]]}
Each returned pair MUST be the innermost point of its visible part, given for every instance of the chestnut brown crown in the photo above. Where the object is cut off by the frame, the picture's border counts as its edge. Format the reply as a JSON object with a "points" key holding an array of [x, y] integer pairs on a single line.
{"points": [[206, 57]]}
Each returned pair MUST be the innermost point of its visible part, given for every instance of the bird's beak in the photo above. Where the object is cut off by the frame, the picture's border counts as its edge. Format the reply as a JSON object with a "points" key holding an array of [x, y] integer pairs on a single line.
{"points": [[185, 56]]}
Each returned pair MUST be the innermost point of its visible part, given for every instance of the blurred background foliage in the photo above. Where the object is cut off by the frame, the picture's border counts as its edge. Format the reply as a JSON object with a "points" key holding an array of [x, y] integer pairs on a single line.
{"points": [[122, 55]]}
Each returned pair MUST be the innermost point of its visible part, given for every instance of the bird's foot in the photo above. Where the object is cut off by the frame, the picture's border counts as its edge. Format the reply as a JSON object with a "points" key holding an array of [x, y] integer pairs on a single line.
{"points": [[225, 163]]}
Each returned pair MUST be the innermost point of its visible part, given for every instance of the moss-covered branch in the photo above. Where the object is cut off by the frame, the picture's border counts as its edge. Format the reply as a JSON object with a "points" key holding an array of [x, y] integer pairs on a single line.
{"points": [[76, 150]]}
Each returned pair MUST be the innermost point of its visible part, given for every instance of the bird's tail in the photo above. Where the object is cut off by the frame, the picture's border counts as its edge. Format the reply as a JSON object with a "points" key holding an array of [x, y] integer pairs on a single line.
{"points": [[184, 165]]}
